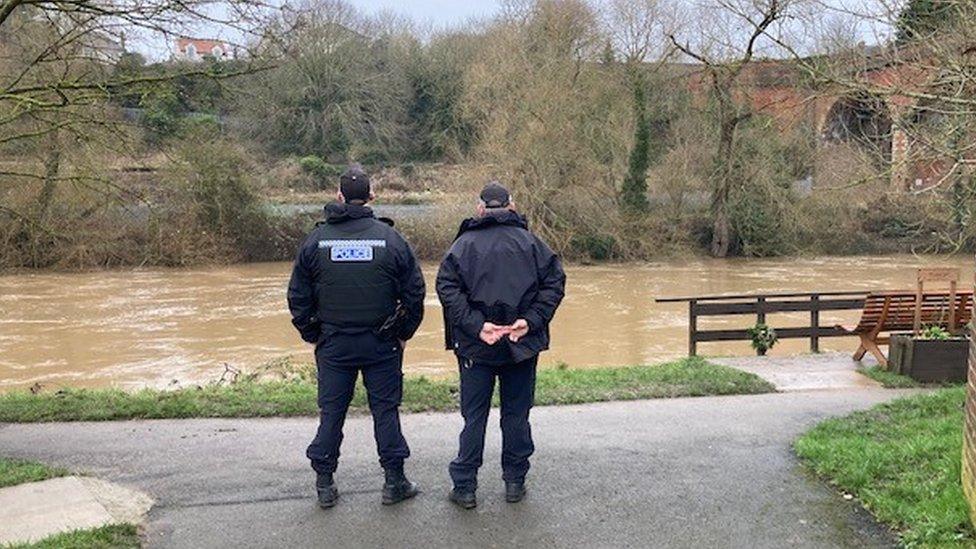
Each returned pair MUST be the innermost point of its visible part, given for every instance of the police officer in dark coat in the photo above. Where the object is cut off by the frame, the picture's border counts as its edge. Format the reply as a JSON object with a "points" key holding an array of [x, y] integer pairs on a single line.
{"points": [[357, 293], [500, 286]]}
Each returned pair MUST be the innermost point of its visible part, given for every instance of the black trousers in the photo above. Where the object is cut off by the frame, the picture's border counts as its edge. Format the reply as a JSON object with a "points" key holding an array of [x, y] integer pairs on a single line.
{"points": [[340, 359], [517, 392]]}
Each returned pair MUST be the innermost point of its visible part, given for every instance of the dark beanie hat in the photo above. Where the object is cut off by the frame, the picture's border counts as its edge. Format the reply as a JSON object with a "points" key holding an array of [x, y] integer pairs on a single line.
{"points": [[494, 195], [354, 184]]}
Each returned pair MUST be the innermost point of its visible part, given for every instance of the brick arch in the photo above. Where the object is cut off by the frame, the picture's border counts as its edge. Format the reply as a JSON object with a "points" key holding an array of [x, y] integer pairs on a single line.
{"points": [[862, 119]]}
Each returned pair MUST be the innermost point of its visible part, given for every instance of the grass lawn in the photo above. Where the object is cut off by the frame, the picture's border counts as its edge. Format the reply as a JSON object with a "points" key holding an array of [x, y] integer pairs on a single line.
{"points": [[14, 471], [887, 379], [902, 460], [121, 536], [297, 396]]}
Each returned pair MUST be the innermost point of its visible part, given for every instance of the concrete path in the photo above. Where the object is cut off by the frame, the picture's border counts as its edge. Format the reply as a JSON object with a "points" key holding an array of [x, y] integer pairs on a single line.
{"points": [[34, 511], [806, 372], [705, 472]]}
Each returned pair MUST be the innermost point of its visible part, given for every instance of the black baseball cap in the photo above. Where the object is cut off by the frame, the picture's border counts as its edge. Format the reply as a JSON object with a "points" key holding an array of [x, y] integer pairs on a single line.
{"points": [[354, 184], [494, 195]]}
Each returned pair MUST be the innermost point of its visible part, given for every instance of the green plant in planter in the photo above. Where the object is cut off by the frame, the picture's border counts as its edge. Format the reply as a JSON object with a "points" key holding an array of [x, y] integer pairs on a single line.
{"points": [[935, 332], [763, 338]]}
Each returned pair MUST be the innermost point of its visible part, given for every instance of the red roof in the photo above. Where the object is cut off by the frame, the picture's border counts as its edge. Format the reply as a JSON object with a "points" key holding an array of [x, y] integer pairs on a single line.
{"points": [[203, 47]]}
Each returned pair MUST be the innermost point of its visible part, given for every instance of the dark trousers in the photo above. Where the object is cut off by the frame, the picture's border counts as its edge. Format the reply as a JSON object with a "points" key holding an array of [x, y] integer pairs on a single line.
{"points": [[516, 392], [339, 360]]}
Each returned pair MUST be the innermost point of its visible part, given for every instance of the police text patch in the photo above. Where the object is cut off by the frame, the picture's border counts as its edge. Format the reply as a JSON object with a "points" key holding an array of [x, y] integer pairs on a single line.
{"points": [[351, 254], [351, 251]]}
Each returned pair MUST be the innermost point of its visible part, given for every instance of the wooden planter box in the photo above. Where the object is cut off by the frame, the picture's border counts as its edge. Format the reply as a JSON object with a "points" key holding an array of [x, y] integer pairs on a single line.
{"points": [[929, 360]]}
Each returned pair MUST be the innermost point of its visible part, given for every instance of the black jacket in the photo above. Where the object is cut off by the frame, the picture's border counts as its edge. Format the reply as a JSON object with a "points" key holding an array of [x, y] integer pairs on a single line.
{"points": [[497, 271], [318, 265]]}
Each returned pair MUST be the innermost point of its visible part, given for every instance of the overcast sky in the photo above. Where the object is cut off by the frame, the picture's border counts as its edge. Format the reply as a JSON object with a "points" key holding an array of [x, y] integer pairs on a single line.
{"points": [[448, 13], [439, 12]]}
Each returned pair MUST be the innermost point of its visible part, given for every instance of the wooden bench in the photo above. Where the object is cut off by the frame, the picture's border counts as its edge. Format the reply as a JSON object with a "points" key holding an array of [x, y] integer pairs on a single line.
{"points": [[888, 312]]}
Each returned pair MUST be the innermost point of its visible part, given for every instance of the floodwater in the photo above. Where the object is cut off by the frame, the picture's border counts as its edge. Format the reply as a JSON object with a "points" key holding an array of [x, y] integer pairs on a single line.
{"points": [[148, 327]]}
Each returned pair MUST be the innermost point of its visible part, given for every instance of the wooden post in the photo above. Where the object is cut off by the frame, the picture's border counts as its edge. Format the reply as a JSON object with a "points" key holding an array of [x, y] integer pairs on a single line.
{"points": [[952, 306], [692, 329], [815, 323], [919, 296], [760, 315]]}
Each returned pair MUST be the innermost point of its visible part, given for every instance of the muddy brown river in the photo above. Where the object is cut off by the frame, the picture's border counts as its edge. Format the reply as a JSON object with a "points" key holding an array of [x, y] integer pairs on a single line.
{"points": [[150, 327]]}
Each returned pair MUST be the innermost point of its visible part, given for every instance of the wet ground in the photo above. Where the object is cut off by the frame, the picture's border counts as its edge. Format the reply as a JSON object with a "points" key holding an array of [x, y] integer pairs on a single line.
{"points": [[694, 472]]}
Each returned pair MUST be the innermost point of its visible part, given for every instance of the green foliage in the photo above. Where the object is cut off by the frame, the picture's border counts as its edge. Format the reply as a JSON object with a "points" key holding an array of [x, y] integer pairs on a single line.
{"points": [[438, 128], [161, 112], [296, 397], [634, 191], [201, 125], [598, 247], [902, 217], [323, 172], [902, 461], [763, 337], [341, 91], [922, 18], [15, 471], [935, 332], [759, 218], [760, 203], [114, 536]]}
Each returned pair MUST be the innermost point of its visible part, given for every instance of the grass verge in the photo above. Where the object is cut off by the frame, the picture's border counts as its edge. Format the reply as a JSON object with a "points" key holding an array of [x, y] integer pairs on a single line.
{"points": [[15, 471], [889, 380], [116, 536], [297, 397], [902, 460]]}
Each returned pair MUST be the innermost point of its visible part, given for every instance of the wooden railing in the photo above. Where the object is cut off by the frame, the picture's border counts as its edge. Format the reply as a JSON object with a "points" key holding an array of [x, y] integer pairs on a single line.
{"points": [[762, 305]]}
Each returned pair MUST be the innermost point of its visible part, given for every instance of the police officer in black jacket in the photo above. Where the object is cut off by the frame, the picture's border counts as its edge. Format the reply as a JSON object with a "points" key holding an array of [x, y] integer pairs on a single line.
{"points": [[357, 293], [500, 286]]}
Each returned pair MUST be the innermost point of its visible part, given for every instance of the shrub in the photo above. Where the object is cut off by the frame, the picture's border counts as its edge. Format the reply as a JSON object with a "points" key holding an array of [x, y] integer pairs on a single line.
{"points": [[598, 247], [319, 169], [161, 113], [759, 220], [213, 178]]}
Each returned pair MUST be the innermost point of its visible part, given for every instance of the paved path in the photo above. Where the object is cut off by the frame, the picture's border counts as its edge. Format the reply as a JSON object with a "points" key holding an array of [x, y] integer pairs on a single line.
{"points": [[36, 510], [806, 372], [705, 472]]}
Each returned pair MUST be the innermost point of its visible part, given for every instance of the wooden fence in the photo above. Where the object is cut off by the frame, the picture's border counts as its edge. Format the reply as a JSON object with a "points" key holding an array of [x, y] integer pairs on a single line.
{"points": [[969, 433], [762, 305]]}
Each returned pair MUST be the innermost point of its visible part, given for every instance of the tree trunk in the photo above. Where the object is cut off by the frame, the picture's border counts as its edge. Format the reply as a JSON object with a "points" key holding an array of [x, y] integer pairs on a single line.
{"points": [[38, 223], [722, 182], [52, 167]]}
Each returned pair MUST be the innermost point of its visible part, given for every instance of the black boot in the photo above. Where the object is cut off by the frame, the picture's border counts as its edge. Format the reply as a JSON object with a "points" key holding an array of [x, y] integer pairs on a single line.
{"points": [[328, 494], [465, 499], [514, 491], [397, 488]]}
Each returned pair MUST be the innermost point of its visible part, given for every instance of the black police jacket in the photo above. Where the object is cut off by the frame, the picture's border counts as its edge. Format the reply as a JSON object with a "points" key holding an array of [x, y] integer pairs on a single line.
{"points": [[497, 271], [353, 274]]}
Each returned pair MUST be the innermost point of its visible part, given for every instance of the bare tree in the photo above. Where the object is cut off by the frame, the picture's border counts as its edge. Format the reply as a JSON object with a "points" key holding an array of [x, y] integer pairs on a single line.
{"points": [[723, 59], [58, 76]]}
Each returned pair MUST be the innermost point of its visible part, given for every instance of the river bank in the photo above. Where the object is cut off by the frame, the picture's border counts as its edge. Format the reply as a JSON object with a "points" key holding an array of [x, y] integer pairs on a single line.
{"points": [[296, 395]]}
